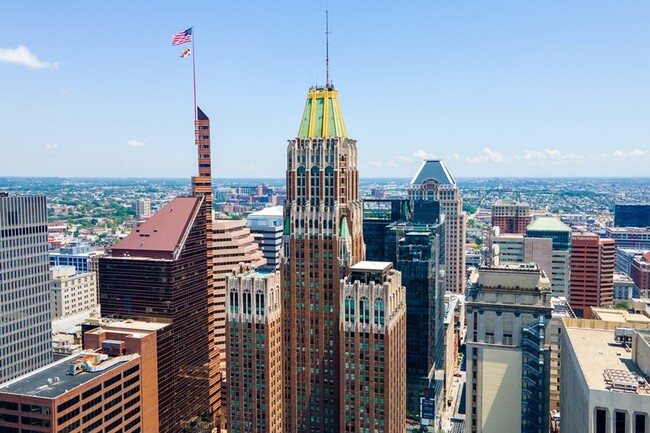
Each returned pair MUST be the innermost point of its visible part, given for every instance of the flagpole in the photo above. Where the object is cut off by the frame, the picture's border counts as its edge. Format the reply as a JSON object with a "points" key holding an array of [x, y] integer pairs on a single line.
{"points": [[196, 114]]}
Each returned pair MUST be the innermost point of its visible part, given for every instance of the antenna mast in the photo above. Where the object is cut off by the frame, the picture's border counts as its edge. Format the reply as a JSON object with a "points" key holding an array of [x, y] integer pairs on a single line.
{"points": [[327, 50]]}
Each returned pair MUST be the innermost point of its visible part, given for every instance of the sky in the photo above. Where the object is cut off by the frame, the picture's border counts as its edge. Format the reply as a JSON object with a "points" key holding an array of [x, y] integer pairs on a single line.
{"points": [[494, 88]]}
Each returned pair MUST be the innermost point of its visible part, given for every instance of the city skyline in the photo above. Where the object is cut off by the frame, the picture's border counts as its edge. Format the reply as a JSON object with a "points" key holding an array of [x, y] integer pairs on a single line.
{"points": [[563, 95]]}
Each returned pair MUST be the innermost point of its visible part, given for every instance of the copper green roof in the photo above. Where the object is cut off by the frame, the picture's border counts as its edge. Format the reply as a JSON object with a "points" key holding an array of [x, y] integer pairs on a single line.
{"points": [[322, 116], [548, 224], [344, 231]]}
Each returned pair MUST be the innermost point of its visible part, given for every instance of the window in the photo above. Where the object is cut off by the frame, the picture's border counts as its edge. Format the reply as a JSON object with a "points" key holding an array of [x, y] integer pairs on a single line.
{"points": [[259, 303], [364, 310], [379, 311], [349, 309], [601, 421], [620, 420], [234, 302], [640, 423]]}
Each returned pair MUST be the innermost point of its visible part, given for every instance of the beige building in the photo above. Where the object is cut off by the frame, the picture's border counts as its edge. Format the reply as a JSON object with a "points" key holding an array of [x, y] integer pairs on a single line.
{"points": [[454, 326], [508, 310], [254, 350], [433, 181], [233, 245], [373, 349], [72, 292], [604, 385]]}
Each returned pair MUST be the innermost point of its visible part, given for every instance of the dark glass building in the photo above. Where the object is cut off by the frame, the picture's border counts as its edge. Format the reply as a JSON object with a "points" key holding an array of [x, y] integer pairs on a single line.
{"points": [[631, 215], [377, 215]]}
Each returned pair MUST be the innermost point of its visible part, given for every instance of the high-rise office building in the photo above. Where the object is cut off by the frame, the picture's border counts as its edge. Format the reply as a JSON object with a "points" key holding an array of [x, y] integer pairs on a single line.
{"points": [[560, 269], [434, 182], [377, 215], [511, 216], [233, 245], [322, 238], [632, 215], [508, 310], [417, 250], [266, 226], [629, 237], [82, 257], [25, 323], [373, 349], [592, 273], [163, 272], [254, 342]]}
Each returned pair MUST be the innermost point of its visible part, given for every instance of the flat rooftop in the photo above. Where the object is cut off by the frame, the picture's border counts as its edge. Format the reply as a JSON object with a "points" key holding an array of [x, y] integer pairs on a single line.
{"points": [[366, 265], [127, 325], [615, 315], [596, 352], [36, 383]]}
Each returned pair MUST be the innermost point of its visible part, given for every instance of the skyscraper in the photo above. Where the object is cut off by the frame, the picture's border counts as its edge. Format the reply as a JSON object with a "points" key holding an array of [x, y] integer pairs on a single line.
{"points": [[592, 273], [433, 181], [162, 272], [266, 226], [25, 309], [511, 216], [632, 215], [323, 238]]}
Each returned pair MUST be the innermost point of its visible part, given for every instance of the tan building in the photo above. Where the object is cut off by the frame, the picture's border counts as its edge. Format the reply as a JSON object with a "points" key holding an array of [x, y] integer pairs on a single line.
{"points": [[233, 245], [254, 348], [111, 385], [373, 349], [511, 216], [604, 385], [433, 181], [71, 292], [508, 310]]}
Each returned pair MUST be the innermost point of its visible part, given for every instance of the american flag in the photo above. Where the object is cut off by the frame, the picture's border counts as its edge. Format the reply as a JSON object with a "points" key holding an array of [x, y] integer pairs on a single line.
{"points": [[182, 37]]}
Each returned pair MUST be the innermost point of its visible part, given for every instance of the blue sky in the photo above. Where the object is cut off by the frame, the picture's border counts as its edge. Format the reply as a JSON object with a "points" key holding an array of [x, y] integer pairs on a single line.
{"points": [[495, 88]]}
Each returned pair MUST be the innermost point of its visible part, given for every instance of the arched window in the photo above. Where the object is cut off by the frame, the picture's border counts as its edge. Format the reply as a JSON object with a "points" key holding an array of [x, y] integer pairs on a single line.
{"points": [[300, 186], [364, 310], [314, 187], [234, 302], [349, 309], [379, 311], [247, 303], [259, 303], [329, 186]]}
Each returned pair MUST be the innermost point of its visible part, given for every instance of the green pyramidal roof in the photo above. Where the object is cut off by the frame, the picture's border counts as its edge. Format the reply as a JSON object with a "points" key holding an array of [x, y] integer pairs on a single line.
{"points": [[344, 231], [322, 116]]}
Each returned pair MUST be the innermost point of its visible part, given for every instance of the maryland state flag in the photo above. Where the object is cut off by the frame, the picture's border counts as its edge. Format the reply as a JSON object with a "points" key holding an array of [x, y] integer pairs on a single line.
{"points": [[186, 52]]}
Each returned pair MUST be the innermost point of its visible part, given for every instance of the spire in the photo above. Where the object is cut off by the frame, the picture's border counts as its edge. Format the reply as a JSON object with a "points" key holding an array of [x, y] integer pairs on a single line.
{"points": [[327, 49], [322, 116]]}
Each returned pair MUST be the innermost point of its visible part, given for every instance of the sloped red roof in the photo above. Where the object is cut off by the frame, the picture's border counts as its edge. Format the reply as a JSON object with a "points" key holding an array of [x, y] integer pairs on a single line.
{"points": [[160, 235]]}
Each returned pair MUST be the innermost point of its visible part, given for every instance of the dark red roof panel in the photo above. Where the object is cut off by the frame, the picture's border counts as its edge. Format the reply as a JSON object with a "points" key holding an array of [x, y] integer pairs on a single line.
{"points": [[160, 235]]}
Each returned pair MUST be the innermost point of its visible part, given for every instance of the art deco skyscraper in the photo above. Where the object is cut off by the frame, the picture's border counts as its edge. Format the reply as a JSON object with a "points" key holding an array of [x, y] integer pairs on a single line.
{"points": [[25, 310], [323, 238]]}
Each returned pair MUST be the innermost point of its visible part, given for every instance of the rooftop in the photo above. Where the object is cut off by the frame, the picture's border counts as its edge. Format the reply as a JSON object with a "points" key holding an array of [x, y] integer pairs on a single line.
{"points": [[127, 325], [162, 234], [322, 116], [52, 380], [433, 169], [618, 315], [548, 224], [368, 266], [600, 358], [268, 211]]}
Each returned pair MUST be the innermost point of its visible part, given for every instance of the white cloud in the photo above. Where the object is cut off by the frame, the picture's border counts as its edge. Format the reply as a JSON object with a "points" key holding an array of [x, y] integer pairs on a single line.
{"points": [[635, 153], [136, 143], [454, 157], [376, 164], [487, 155], [421, 154], [51, 146], [547, 154], [22, 56]]}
